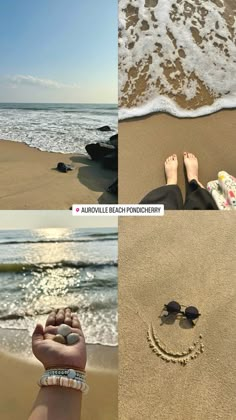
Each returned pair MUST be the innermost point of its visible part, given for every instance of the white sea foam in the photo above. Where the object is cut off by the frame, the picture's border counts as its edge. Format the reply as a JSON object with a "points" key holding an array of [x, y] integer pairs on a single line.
{"points": [[57, 127], [165, 104], [177, 48]]}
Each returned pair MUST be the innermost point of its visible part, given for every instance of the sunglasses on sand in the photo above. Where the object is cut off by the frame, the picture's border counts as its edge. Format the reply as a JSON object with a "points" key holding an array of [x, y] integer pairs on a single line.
{"points": [[190, 312]]}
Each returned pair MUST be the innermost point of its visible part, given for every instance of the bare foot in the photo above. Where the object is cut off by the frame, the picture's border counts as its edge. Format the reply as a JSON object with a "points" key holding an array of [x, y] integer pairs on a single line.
{"points": [[191, 164], [171, 165]]}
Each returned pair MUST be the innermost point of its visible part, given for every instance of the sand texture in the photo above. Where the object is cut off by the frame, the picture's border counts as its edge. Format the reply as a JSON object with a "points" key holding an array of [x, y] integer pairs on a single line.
{"points": [[145, 143], [155, 269], [28, 179], [19, 388]]}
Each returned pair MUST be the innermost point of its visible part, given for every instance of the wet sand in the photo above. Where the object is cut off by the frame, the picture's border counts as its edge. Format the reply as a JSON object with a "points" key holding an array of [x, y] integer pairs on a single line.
{"points": [[159, 57], [146, 142], [29, 181], [19, 388], [155, 269]]}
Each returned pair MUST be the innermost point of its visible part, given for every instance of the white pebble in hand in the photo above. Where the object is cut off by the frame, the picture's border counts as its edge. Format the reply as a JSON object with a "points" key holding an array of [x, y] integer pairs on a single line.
{"points": [[64, 330], [72, 338]]}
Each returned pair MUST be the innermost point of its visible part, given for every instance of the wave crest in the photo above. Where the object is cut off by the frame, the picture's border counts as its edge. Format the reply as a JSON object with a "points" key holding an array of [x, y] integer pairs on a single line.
{"points": [[15, 267]]}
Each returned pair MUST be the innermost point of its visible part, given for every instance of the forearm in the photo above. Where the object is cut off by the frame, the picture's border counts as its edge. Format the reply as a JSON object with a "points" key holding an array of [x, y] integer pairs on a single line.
{"points": [[57, 403]]}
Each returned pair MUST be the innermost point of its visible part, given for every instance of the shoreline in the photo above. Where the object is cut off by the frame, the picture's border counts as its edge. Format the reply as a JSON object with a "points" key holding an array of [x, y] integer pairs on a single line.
{"points": [[17, 342], [99, 356], [29, 179], [46, 151], [164, 105]]}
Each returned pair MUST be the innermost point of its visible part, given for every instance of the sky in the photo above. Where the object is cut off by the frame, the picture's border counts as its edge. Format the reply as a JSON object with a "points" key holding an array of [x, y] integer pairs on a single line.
{"points": [[42, 219], [58, 51]]}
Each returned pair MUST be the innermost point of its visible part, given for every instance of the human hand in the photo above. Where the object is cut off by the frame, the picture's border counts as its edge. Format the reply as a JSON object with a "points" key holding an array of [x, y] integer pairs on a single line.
{"points": [[53, 354]]}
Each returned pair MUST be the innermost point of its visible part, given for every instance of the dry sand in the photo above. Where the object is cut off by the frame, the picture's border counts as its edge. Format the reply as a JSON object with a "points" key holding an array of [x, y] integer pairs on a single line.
{"points": [[28, 179], [145, 143], [18, 389], [155, 269]]}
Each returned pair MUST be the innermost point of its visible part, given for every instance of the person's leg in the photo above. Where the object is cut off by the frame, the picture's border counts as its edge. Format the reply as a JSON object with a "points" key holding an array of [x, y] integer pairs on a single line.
{"points": [[170, 194], [171, 168], [197, 197]]}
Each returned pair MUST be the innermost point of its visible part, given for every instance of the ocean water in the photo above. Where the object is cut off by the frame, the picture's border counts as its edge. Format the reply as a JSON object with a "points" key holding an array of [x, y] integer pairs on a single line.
{"points": [[47, 269], [176, 56], [65, 128]]}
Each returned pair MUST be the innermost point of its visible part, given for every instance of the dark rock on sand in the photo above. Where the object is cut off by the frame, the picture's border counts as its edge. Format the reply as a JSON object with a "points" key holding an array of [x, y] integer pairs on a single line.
{"points": [[110, 161], [113, 188], [104, 128], [113, 140], [62, 167], [106, 153], [97, 151]]}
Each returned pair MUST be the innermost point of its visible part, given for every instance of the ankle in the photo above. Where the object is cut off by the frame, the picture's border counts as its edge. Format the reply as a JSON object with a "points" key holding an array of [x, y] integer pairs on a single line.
{"points": [[193, 178], [197, 180], [171, 181]]}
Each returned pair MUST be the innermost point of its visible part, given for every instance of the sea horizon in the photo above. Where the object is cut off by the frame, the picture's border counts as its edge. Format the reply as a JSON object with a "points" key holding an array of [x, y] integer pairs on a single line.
{"points": [[60, 103]]}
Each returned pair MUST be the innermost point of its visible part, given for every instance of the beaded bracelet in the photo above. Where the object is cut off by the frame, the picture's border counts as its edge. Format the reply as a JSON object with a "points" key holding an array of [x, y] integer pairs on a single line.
{"points": [[69, 373], [69, 378]]}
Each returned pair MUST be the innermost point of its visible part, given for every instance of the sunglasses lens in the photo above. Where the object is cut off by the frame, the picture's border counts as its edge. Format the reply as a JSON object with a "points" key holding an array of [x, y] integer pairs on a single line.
{"points": [[191, 312], [173, 307]]}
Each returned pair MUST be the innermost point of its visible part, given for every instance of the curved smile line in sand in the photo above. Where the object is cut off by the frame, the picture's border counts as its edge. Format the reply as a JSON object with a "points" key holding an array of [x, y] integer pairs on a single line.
{"points": [[170, 356]]}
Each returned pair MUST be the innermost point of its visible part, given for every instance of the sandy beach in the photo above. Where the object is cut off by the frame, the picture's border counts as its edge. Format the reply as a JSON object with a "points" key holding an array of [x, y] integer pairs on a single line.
{"points": [[200, 272], [19, 388], [28, 179], [146, 142]]}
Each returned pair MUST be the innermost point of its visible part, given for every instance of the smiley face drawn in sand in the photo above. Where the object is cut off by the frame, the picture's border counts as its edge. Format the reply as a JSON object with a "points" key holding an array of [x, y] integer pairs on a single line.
{"points": [[168, 355]]}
